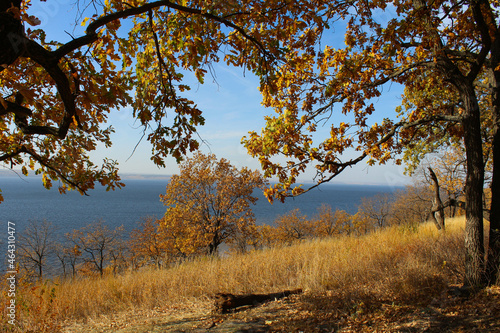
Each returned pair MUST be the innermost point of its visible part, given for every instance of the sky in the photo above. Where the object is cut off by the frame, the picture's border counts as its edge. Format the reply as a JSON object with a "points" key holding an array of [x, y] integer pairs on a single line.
{"points": [[231, 106]]}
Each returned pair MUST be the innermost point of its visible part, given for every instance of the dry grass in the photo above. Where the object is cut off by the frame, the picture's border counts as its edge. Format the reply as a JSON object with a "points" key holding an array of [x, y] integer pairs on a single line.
{"points": [[396, 264]]}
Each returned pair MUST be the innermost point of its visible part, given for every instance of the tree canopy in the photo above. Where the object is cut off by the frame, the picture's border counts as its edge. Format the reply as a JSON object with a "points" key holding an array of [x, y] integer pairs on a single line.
{"points": [[445, 53], [208, 204], [55, 97]]}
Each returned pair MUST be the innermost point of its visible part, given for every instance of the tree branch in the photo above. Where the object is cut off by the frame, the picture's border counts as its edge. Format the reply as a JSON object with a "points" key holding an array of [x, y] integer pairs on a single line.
{"points": [[43, 162], [402, 125], [91, 31]]}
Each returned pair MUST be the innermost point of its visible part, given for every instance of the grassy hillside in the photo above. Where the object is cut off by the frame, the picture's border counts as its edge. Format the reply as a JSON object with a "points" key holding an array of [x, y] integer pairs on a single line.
{"points": [[395, 265]]}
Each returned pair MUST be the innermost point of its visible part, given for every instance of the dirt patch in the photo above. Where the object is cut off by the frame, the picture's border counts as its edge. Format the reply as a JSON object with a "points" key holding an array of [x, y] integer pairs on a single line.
{"points": [[327, 312]]}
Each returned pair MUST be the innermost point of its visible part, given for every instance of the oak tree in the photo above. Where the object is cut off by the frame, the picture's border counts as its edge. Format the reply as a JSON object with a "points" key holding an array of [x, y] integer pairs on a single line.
{"points": [[209, 203], [55, 96], [411, 205], [68, 253], [377, 209], [328, 223], [450, 49]]}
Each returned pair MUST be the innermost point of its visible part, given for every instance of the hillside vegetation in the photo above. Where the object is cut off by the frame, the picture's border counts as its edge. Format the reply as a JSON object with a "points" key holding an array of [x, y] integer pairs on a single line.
{"points": [[394, 266]]}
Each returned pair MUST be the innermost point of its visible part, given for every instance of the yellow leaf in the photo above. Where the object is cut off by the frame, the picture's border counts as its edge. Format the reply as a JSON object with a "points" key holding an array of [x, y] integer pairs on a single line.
{"points": [[84, 22]]}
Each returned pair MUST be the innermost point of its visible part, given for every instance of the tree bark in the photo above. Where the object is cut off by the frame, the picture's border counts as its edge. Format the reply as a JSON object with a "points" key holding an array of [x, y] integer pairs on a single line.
{"points": [[474, 234], [11, 35], [493, 258], [225, 303]]}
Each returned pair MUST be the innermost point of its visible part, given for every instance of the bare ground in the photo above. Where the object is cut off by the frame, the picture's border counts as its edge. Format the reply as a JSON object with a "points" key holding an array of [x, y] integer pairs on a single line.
{"points": [[452, 311]]}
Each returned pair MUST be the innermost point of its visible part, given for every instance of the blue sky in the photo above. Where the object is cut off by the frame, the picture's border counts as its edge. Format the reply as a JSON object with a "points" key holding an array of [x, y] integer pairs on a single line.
{"points": [[232, 107]]}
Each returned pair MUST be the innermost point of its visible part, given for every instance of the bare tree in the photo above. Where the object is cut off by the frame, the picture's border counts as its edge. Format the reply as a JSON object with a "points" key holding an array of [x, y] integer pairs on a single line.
{"points": [[96, 242], [68, 254], [376, 208], [36, 243], [412, 205]]}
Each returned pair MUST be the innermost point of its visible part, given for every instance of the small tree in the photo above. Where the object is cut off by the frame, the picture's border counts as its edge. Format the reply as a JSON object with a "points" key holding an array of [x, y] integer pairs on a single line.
{"points": [[450, 170], [246, 236], [326, 222], [36, 243], [268, 236], [412, 205], [146, 243], [68, 253], [376, 208], [360, 223], [343, 220], [293, 226], [208, 202], [97, 242]]}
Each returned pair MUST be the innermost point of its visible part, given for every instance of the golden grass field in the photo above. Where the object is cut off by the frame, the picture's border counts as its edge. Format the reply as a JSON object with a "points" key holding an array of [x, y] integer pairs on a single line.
{"points": [[395, 264]]}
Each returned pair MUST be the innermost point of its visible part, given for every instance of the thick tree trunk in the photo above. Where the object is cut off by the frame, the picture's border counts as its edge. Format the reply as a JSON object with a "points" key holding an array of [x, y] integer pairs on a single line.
{"points": [[474, 234], [493, 263]]}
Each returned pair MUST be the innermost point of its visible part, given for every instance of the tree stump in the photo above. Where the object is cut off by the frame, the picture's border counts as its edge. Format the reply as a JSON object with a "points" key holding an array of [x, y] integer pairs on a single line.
{"points": [[225, 302]]}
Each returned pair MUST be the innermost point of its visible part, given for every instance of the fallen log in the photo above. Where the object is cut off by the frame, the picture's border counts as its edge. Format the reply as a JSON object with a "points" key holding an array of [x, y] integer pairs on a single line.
{"points": [[225, 302]]}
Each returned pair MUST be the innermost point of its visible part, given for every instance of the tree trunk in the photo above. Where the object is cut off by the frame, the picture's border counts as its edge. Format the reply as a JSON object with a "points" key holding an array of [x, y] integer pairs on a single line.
{"points": [[40, 270], [493, 263], [225, 303], [437, 210], [474, 241]]}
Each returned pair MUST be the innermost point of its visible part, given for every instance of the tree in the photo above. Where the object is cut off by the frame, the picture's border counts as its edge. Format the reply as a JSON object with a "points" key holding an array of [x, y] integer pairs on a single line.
{"points": [[246, 236], [446, 171], [209, 202], [328, 223], [293, 226], [55, 97], [68, 254], [412, 205], [268, 236], [360, 223], [36, 243], [146, 242], [376, 208], [446, 54], [96, 242]]}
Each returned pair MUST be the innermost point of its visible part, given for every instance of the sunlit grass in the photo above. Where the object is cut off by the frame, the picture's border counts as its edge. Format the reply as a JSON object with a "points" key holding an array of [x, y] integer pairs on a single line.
{"points": [[394, 263]]}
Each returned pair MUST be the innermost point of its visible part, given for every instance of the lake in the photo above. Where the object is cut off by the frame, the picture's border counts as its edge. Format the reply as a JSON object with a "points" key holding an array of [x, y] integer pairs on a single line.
{"points": [[27, 200]]}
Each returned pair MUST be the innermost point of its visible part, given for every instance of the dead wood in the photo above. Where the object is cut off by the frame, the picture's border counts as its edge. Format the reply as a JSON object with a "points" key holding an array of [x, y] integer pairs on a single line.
{"points": [[225, 302]]}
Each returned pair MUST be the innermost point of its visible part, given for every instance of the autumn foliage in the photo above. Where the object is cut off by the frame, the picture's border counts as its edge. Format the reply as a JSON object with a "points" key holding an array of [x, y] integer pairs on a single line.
{"points": [[56, 97], [209, 203]]}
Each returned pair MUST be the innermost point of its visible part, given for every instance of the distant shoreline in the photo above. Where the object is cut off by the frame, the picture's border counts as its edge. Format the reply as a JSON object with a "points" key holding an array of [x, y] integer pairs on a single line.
{"points": [[135, 176]]}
